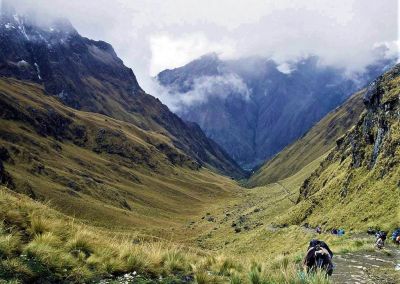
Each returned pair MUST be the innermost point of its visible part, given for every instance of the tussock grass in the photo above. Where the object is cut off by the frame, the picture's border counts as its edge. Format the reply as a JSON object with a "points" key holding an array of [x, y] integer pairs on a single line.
{"points": [[9, 243], [174, 261], [38, 225], [56, 248]]}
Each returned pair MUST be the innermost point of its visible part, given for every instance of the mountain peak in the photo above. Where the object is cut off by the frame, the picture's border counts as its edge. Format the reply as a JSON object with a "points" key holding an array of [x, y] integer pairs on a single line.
{"points": [[212, 56]]}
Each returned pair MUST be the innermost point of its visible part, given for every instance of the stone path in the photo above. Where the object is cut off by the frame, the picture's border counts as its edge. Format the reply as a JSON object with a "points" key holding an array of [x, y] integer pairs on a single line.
{"points": [[359, 267]]}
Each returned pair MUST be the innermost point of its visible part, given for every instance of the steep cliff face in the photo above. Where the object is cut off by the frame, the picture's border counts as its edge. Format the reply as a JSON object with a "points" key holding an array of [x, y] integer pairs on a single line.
{"points": [[88, 75], [254, 107], [358, 184]]}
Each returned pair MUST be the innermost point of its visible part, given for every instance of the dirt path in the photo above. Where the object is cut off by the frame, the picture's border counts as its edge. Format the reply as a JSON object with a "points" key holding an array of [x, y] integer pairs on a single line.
{"points": [[287, 192], [367, 267]]}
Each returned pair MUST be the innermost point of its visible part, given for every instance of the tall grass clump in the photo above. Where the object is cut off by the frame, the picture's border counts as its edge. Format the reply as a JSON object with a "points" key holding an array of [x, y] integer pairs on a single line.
{"points": [[174, 261], [235, 279], [80, 244], [134, 258], [255, 273], [9, 245], [38, 225]]}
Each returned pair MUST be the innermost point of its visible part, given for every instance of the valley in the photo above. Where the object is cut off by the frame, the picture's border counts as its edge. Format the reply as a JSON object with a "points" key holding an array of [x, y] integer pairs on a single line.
{"points": [[251, 108], [101, 182]]}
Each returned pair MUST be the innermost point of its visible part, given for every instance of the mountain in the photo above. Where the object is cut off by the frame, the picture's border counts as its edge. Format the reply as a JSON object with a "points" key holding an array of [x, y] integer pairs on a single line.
{"points": [[254, 107], [314, 145], [95, 167], [357, 185], [88, 75]]}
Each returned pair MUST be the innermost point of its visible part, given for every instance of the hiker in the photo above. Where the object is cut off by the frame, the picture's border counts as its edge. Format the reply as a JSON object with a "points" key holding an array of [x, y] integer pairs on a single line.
{"points": [[334, 231], [396, 236], [380, 239], [318, 230], [340, 232], [319, 256]]}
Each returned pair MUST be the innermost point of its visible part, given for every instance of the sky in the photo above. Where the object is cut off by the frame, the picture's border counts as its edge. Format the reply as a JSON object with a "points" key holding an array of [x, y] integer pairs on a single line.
{"points": [[153, 35]]}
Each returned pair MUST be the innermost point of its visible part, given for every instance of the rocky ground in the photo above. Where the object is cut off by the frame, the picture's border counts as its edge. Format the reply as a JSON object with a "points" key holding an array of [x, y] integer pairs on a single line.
{"points": [[367, 267]]}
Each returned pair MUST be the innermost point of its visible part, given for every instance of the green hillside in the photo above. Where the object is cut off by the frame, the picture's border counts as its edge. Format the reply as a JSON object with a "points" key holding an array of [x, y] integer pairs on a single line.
{"points": [[313, 145], [357, 185], [119, 199], [97, 168]]}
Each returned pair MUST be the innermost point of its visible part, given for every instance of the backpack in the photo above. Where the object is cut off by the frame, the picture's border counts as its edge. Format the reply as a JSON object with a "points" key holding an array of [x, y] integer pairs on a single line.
{"points": [[395, 234]]}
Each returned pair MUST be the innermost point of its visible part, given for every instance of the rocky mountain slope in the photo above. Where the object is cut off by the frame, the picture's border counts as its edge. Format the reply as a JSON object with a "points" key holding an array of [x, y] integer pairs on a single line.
{"points": [[254, 107], [316, 143], [87, 75], [357, 185]]}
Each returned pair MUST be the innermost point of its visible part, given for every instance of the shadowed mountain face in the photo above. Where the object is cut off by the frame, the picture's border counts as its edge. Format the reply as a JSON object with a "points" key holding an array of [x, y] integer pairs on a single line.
{"points": [[313, 146], [254, 107], [88, 75]]}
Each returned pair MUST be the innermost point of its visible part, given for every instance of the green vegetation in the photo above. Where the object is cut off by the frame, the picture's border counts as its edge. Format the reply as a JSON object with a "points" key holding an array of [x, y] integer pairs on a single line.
{"points": [[37, 242], [357, 185], [99, 169], [91, 198]]}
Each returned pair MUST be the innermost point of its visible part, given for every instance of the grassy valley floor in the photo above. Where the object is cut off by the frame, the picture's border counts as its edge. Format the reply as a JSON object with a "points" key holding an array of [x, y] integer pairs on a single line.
{"points": [[234, 239], [93, 199]]}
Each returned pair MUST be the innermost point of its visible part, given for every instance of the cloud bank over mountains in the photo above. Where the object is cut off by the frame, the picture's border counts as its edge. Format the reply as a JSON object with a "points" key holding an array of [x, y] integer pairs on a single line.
{"points": [[155, 35], [203, 89]]}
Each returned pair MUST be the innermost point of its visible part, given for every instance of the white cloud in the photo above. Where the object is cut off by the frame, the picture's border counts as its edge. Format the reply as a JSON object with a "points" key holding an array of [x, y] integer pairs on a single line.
{"points": [[203, 89], [151, 35], [169, 52]]}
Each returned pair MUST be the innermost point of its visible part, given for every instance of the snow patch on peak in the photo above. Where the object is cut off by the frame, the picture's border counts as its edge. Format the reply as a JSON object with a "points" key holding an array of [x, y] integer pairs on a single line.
{"points": [[21, 25], [38, 71], [285, 68], [8, 26]]}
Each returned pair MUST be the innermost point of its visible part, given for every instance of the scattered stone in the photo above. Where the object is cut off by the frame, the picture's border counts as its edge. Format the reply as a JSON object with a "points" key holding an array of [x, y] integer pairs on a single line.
{"points": [[73, 185], [211, 219]]}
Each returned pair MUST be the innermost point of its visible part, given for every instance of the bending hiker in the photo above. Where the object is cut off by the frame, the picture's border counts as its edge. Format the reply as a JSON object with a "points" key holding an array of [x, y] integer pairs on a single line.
{"points": [[318, 230], [319, 256], [380, 239]]}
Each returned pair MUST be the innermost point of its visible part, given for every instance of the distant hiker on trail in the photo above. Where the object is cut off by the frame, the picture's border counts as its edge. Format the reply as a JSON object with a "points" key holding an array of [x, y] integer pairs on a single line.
{"points": [[318, 230], [334, 231], [340, 232], [319, 256], [380, 239]]}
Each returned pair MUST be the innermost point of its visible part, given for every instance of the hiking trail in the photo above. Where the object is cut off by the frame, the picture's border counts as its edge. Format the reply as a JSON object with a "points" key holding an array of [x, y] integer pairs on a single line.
{"points": [[367, 267]]}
